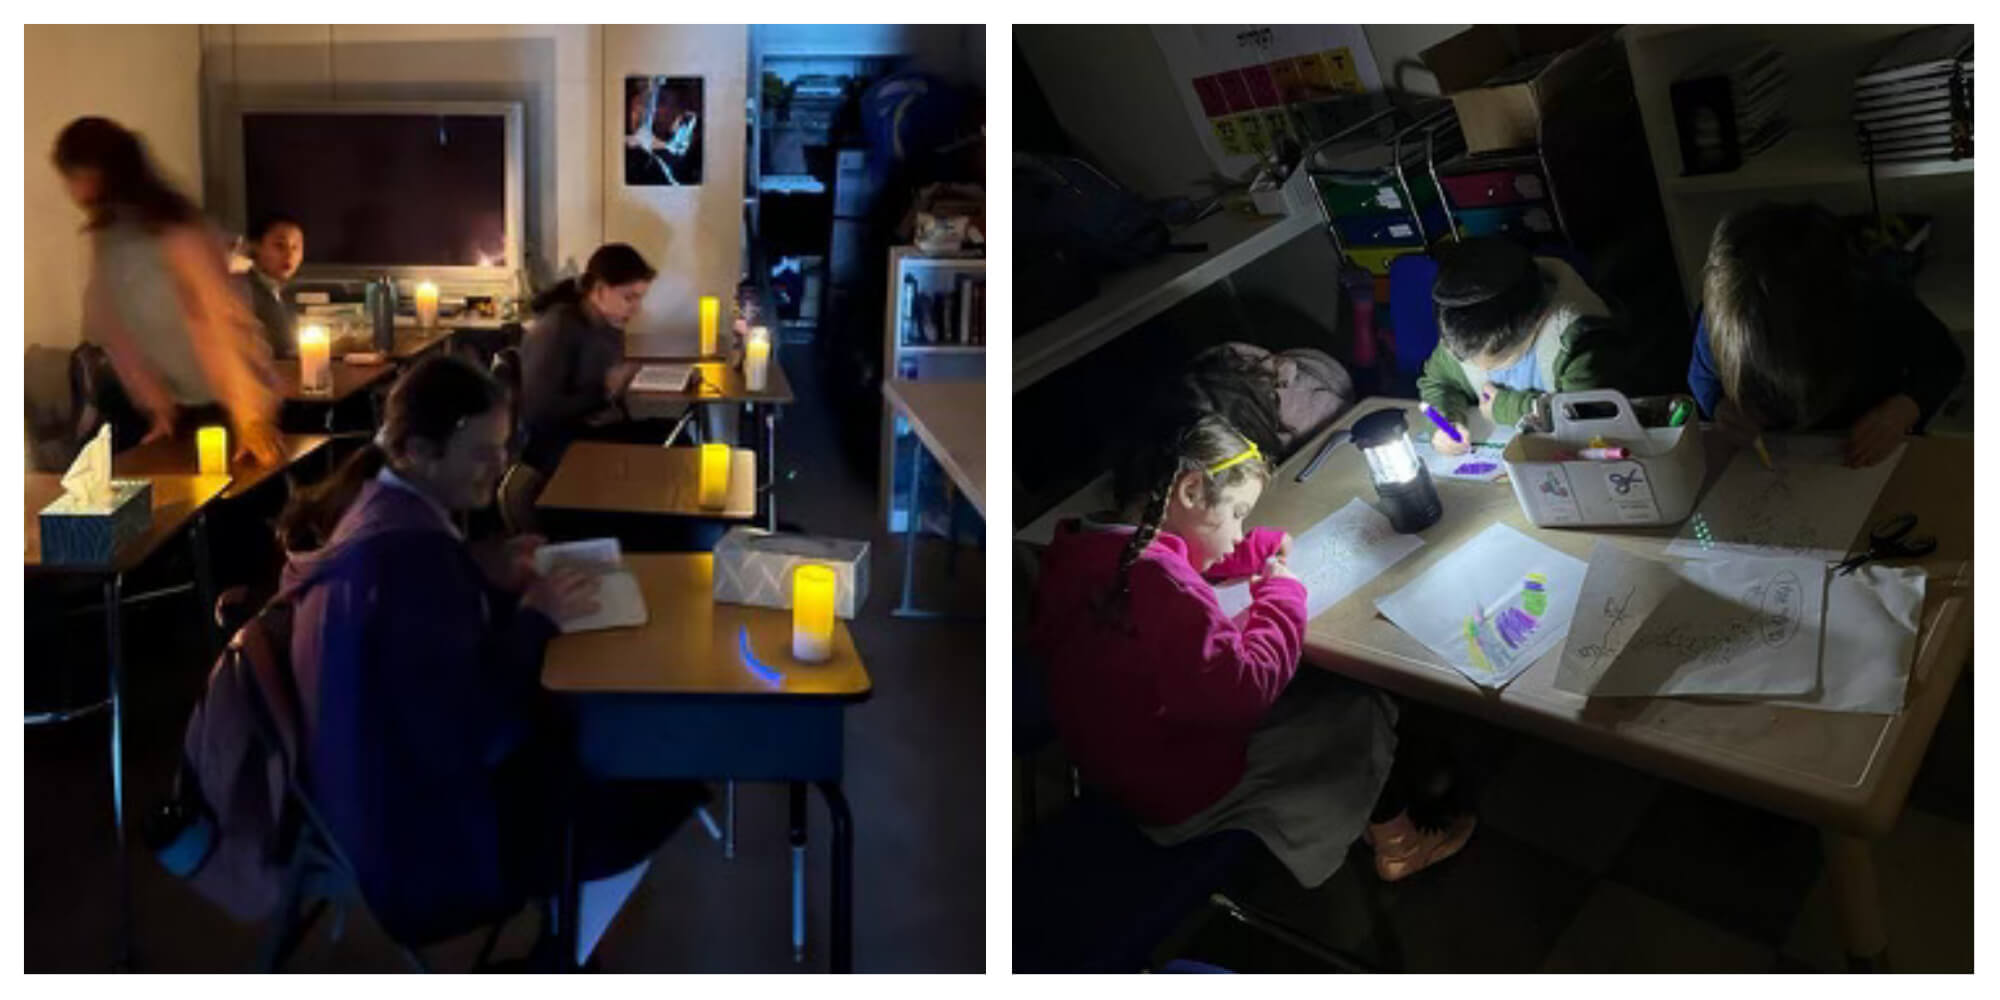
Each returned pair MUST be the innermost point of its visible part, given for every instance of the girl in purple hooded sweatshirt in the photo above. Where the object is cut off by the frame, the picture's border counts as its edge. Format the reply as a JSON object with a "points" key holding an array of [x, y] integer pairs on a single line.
{"points": [[431, 747]]}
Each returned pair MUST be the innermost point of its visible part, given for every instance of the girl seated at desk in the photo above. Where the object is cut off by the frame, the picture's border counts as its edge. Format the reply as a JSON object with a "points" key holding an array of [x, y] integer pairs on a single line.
{"points": [[1197, 721], [432, 752], [573, 367]]}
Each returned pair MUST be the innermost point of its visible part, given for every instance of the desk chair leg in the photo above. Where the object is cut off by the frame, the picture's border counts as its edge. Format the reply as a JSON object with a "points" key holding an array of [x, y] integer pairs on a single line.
{"points": [[1850, 863], [567, 905], [204, 584], [841, 958], [798, 811], [114, 620], [729, 820]]}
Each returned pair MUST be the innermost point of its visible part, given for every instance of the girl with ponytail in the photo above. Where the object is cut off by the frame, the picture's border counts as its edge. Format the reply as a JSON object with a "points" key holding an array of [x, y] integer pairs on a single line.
{"points": [[573, 368], [1191, 718]]}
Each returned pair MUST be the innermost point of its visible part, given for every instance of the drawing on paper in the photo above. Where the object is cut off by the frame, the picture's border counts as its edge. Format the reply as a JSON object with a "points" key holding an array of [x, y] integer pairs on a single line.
{"points": [[1494, 640], [1333, 558], [1809, 505]]}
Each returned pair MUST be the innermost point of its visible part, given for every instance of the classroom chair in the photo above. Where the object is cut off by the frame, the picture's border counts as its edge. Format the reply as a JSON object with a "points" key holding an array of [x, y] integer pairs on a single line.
{"points": [[97, 397]]}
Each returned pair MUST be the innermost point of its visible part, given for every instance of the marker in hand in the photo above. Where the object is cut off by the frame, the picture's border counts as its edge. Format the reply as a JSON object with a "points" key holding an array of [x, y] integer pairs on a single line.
{"points": [[1443, 424]]}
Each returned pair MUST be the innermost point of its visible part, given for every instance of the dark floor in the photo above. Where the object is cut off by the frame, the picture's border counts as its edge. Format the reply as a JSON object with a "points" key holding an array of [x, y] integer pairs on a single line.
{"points": [[1580, 865], [915, 780]]}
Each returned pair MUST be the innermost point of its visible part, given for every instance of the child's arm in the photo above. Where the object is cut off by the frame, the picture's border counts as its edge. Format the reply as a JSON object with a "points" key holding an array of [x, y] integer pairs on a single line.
{"points": [[1590, 362], [1442, 384], [1249, 556], [1232, 674], [1703, 383]]}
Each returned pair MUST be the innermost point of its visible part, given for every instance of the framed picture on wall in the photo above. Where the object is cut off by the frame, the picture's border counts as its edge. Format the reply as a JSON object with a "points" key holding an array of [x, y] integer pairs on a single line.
{"points": [[663, 131]]}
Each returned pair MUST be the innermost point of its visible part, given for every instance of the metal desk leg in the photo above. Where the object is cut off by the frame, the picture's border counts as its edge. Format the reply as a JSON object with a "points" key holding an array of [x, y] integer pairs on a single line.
{"points": [[913, 530], [1850, 863], [204, 583], [114, 588], [798, 810], [569, 903], [841, 958], [770, 435], [729, 820]]}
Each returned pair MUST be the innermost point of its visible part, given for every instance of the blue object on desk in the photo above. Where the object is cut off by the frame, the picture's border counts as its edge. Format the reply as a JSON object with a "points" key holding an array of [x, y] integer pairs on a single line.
{"points": [[757, 668]]}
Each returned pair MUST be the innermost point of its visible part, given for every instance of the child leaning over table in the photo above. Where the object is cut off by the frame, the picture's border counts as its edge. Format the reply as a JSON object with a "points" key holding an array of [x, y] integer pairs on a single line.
{"points": [[1193, 720], [1511, 327]]}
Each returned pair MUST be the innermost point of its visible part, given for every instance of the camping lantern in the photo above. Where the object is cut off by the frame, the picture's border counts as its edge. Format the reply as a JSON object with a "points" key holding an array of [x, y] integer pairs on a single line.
{"points": [[1408, 495]]}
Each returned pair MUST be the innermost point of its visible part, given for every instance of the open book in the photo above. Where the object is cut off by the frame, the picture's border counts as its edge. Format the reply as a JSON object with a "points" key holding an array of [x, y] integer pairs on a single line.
{"points": [[619, 603], [662, 378]]}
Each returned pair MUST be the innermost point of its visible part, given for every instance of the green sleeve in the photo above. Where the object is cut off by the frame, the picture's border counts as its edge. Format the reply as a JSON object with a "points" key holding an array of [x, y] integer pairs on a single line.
{"points": [[1510, 405], [1443, 385]]}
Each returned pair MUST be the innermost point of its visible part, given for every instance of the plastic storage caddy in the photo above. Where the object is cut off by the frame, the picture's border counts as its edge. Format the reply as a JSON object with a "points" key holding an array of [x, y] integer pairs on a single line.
{"points": [[1657, 484]]}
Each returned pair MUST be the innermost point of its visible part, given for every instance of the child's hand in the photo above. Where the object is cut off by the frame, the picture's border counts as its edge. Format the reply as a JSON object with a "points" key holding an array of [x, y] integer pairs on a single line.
{"points": [[1285, 546], [1276, 568], [1879, 430], [1486, 396], [1446, 446]]}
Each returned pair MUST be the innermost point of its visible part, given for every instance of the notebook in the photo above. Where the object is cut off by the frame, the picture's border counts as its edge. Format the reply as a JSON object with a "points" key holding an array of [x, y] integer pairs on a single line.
{"points": [[662, 378], [619, 603]]}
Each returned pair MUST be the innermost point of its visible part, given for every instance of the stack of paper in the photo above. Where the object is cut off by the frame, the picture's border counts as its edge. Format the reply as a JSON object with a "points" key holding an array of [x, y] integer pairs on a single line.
{"points": [[1915, 103]]}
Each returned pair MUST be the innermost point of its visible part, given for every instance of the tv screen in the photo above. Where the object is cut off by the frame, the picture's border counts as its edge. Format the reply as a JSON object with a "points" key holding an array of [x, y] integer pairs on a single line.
{"points": [[395, 189]]}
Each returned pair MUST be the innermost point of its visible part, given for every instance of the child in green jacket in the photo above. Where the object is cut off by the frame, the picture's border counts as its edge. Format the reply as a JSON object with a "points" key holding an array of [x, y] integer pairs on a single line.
{"points": [[1511, 327]]}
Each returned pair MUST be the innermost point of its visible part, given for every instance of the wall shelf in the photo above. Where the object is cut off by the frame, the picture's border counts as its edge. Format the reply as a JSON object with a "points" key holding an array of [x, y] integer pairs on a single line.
{"points": [[1809, 157]]}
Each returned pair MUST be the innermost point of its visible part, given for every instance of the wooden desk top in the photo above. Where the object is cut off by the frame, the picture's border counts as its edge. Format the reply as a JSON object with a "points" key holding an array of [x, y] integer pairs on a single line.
{"points": [[176, 500], [411, 342], [177, 457], [718, 383], [347, 380], [647, 479], [950, 417], [1847, 770], [691, 645]]}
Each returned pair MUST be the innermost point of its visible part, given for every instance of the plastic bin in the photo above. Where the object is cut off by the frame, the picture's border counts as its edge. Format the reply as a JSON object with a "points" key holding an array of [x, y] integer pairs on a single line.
{"points": [[1657, 485]]}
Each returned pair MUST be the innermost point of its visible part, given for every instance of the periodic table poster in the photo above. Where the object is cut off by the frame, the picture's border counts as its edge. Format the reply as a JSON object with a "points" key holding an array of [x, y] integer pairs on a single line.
{"points": [[1247, 85]]}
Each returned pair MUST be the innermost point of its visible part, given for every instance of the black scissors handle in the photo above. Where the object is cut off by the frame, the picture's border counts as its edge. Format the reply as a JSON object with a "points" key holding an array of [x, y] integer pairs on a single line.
{"points": [[1887, 541]]}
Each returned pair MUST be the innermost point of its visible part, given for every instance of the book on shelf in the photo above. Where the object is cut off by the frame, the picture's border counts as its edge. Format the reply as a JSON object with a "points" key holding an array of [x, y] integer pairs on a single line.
{"points": [[1919, 53]]}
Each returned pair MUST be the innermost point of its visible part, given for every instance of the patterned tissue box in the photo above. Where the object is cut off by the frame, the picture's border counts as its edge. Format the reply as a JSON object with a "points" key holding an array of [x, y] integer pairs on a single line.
{"points": [[755, 567], [75, 535]]}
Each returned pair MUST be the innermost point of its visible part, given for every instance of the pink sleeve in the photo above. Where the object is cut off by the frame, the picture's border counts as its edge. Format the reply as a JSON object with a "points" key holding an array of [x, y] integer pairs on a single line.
{"points": [[1231, 672], [1249, 556]]}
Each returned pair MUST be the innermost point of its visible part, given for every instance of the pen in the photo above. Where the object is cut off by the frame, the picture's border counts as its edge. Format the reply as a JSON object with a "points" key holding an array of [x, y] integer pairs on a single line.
{"points": [[1763, 455], [1678, 414], [1333, 441], [1443, 424]]}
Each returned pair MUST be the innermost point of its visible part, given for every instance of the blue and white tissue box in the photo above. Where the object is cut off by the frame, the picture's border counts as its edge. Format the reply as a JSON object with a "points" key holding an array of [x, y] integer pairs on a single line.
{"points": [[77, 535]]}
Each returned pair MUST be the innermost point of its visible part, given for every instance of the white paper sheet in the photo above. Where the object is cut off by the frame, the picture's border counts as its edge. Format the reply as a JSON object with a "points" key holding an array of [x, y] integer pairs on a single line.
{"points": [[1871, 636], [1492, 608], [1807, 504], [1482, 464], [1333, 558], [619, 601], [662, 378], [1745, 626]]}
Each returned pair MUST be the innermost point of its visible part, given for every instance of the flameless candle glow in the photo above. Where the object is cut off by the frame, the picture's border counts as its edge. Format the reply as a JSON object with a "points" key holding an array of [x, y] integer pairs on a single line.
{"points": [[813, 587], [714, 476], [315, 360], [212, 446], [756, 362], [427, 304], [711, 314]]}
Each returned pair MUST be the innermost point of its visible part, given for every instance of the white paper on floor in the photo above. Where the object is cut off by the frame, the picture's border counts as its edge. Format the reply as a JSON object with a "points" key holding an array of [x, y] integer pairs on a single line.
{"points": [[1745, 626], [1492, 608], [1808, 504], [1335, 557]]}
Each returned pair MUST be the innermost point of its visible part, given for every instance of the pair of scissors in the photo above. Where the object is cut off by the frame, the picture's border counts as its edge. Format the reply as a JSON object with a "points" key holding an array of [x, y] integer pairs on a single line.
{"points": [[1886, 541]]}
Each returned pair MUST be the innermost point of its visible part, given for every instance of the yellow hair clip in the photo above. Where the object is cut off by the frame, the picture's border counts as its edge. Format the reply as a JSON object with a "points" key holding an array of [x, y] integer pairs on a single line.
{"points": [[1238, 459]]}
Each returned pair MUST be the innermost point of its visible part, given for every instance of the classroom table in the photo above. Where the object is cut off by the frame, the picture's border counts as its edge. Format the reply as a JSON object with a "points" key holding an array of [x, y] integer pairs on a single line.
{"points": [[706, 691], [606, 478], [413, 342], [177, 457], [717, 381], [949, 417], [179, 502], [1846, 774], [349, 380]]}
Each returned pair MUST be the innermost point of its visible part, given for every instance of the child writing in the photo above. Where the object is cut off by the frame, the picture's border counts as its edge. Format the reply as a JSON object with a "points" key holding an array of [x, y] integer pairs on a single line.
{"points": [[1190, 719], [1791, 336], [1511, 327]]}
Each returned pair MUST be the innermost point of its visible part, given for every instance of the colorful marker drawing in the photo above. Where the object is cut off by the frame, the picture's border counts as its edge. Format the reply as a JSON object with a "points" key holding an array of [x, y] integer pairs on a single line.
{"points": [[1475, 468], [1495, 639]]}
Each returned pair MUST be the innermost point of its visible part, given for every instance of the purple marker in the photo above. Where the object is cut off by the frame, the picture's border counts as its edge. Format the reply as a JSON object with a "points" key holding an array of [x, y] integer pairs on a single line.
{"points": [[1443, 424]]}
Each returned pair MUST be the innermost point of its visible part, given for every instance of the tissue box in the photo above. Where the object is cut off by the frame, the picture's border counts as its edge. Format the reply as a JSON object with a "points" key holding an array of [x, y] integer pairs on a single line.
{"points": [[755, 567], [73, 534]]}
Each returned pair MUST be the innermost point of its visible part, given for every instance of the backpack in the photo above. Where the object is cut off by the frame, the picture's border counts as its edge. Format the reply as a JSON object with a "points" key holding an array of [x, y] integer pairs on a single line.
{"points": [[227, 828]]}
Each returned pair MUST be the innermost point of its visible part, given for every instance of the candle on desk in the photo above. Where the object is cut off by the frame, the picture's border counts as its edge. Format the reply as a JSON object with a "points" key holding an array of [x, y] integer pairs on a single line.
{"points": [[711, 315], [427, 304], [315, 360], [212, 446], [714, 491], [813, 587], [756, 362]]}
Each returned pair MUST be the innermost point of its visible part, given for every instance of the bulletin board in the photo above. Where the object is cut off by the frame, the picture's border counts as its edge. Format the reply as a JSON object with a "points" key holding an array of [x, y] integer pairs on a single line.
{"points": [[1246, 84]]}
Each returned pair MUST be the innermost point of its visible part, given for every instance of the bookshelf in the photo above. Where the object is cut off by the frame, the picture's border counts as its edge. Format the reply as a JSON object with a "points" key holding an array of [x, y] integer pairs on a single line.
{"points": [[920, 350]]}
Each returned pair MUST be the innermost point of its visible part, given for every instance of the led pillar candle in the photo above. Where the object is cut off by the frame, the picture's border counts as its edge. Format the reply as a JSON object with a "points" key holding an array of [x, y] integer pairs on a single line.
{"points": [[427, 304], [756, 363], [812, 612], [212, 446], [315, 360], [711, 316], [714, 490]]}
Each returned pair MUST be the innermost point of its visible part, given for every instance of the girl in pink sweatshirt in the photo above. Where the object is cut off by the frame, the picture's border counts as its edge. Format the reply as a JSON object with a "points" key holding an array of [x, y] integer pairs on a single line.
{"points": [[1191, 718]]}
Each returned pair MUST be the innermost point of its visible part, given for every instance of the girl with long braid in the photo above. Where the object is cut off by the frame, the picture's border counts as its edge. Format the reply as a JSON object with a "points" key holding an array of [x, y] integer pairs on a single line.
{"points": [[1192, 719]]}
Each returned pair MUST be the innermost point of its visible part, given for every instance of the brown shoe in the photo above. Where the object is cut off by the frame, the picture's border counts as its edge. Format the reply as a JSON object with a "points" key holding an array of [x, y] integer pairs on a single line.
{"points": [[1402, 848]]}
